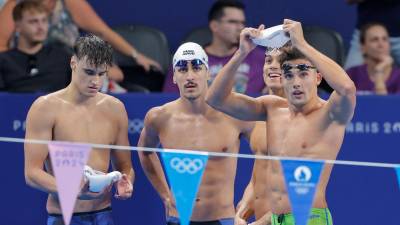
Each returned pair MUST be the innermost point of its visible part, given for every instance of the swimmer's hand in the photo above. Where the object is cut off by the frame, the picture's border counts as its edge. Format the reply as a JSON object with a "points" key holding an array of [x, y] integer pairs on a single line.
{"points": [[242, 211], [86, 194], [246, 44], [170, 206], [295, 31], [124, 188], [240, 221]]}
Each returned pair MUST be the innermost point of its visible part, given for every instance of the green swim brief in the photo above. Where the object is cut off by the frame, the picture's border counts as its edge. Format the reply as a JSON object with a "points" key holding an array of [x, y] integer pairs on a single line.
{"points": [[317, 217]]}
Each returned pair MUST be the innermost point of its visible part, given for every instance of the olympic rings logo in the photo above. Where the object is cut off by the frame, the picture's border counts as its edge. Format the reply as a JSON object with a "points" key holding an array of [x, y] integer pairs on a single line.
{"points": [[186, 165]]}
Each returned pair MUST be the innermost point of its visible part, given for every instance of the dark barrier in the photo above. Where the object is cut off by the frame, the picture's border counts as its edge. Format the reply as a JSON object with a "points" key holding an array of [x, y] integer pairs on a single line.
{"points": [[356, 195]]}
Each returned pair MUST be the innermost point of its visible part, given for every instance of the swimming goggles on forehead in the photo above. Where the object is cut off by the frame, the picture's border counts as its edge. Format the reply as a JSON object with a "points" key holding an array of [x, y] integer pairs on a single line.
{"points": [[184, 63], [270, 50], [287, 68]]}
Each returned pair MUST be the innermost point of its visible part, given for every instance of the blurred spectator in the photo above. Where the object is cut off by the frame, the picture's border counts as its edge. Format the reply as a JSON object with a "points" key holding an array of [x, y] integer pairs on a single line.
{"points": [[33, 66], [66, 18], [386, 12], [226, 20], [379, 74]]}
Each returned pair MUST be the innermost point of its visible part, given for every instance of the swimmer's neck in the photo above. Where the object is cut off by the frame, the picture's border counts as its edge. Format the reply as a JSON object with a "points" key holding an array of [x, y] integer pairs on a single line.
{"points": [[72, 95], [314, 104], [277, 91], [193, 106]]}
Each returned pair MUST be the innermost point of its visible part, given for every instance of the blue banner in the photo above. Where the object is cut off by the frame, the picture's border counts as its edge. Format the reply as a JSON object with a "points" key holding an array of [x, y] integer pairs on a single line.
{"points": [[398, 174], [371, 128], [301, 179], [184, 172]]}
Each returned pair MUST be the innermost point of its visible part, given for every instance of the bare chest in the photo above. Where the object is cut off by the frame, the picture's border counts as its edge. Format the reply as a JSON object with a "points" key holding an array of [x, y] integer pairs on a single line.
{"points": [[81, 125], [295, 136], [200, 134]]}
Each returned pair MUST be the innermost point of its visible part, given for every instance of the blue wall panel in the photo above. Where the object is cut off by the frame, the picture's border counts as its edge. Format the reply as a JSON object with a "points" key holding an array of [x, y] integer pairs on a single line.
{"points": [[356, 195]]}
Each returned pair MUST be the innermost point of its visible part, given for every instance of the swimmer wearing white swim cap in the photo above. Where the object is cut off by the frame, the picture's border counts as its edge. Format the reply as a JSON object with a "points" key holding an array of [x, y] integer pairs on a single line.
{"points": [[189, 123]]}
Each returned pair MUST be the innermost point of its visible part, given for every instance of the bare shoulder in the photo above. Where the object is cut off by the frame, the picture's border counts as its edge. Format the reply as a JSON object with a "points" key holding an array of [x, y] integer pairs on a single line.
{"points": [[109, 102], [161, 113], [47, 104], [43, 112]]}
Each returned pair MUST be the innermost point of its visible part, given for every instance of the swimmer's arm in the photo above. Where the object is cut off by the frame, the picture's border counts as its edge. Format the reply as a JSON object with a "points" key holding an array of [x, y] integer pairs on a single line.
{"points": [[342, 101], [121, 159], [7, 24], [39, 124], [220, 95], [341, 108], [149, 160], [334, 75]]}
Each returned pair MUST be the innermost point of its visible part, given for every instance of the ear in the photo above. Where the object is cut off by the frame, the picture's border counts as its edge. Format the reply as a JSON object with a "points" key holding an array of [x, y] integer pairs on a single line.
{"points": [[363, 50], [174, 78], [73, 63], [213, 26], [319, 78]]}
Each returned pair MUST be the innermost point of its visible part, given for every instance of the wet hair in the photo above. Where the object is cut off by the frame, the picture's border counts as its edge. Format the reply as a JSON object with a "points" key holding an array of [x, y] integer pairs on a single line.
{"points": [[289, 54], [364, 29], [217, 9], [27, 5], [97, 51]]}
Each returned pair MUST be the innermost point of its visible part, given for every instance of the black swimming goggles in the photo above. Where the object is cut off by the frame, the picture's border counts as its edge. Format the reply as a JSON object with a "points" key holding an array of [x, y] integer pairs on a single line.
{"points": [[288, 68]]}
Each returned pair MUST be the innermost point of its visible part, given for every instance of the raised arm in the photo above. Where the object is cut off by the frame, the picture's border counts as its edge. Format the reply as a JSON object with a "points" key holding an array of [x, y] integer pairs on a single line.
{"points": [[149, 160], [39, 125], [342, 101], [6, 24], [121, 159], [87, 19], [220, 95]]}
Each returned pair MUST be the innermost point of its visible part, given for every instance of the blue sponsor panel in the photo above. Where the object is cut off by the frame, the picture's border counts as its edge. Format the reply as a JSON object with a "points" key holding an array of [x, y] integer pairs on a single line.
{"points": [[353, 192]]}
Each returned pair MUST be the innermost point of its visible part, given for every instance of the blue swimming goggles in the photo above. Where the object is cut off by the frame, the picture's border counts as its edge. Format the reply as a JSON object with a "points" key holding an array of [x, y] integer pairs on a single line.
{"points": [[196, 63]]}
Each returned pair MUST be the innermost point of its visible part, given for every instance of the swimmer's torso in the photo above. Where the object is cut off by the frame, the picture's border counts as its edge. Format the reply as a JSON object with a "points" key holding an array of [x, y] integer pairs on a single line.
{"points": [[298, 135], [96, 123], [212, 131], [258, 142]]}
